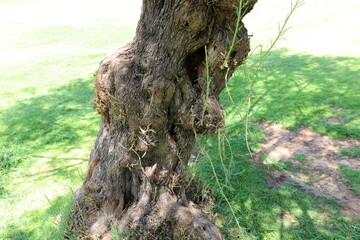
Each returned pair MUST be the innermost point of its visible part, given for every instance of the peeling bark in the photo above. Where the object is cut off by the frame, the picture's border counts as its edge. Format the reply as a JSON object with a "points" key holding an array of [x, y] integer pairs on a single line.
{"points": [[154, 97]]}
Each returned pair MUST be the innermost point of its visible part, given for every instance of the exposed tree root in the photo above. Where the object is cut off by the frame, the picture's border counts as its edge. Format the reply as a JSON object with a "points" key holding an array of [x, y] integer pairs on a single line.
{"points": [[148, 219]]}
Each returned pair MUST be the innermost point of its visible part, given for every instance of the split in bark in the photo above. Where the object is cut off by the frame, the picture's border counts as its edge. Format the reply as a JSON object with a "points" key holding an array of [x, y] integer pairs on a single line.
{"points": [[154, 95]]}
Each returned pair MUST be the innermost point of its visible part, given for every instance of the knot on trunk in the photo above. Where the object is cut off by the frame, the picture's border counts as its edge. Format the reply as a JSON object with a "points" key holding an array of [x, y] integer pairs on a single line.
{"points": [[206, 116]]}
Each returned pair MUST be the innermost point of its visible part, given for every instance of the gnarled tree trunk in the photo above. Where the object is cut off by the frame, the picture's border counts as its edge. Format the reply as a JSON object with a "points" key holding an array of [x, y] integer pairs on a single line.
{"points": [[154, 95]]}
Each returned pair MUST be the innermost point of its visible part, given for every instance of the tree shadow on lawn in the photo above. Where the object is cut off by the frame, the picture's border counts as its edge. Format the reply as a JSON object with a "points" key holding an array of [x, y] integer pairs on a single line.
{"points": [[264, 211], [297, 91], [301, 90], [48, 125], [59, 119]]}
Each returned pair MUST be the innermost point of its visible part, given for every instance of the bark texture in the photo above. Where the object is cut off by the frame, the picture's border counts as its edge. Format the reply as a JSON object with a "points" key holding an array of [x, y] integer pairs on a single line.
{"points": [[154, 95]]}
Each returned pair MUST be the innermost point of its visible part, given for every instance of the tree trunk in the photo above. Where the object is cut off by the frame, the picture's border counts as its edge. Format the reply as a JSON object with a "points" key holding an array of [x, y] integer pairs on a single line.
{"points": [[154, 95]]}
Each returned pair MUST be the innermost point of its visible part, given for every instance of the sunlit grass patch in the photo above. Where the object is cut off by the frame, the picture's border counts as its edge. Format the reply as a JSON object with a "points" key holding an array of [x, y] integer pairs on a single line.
{"points": [[47, 222], [11, 157]]}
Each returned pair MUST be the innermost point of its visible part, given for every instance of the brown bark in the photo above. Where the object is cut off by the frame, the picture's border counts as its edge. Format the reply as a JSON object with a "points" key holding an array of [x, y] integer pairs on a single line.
{"points": [[153, 98]]}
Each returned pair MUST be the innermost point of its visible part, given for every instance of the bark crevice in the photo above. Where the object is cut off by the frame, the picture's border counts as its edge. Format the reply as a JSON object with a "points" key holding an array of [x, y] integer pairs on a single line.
{"points": [[193, 63]]}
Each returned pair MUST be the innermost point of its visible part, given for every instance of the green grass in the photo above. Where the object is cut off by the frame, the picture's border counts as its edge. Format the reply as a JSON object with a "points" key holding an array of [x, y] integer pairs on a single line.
{"points": [[56, 119], [301, 90], [352, 152], [352, 177], [57, 129], [301, 158], [47, 127], [11, 157], [295, 91], [258, 208]]}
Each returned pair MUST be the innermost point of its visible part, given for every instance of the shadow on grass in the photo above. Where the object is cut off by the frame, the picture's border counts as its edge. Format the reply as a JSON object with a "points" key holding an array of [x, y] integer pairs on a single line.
{"points": [[294, 90], [266, 211], [57, 122], [58, 119], [299, 89]]}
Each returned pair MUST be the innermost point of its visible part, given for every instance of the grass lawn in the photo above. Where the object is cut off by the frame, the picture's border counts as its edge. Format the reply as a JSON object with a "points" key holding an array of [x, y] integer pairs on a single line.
{"points": [[296, 91], [49, 53]]}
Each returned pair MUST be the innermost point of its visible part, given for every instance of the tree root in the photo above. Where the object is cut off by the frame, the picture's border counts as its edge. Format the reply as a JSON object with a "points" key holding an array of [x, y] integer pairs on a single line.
{"points": [[163, 218]]}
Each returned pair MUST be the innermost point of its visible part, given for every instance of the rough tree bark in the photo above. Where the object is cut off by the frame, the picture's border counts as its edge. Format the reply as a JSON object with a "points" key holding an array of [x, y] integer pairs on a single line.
{"points": [[154, 96]]}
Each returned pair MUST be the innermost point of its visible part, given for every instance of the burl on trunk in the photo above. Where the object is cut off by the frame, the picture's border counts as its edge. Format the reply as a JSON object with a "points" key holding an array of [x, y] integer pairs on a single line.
{"points": [[154, 95]]}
